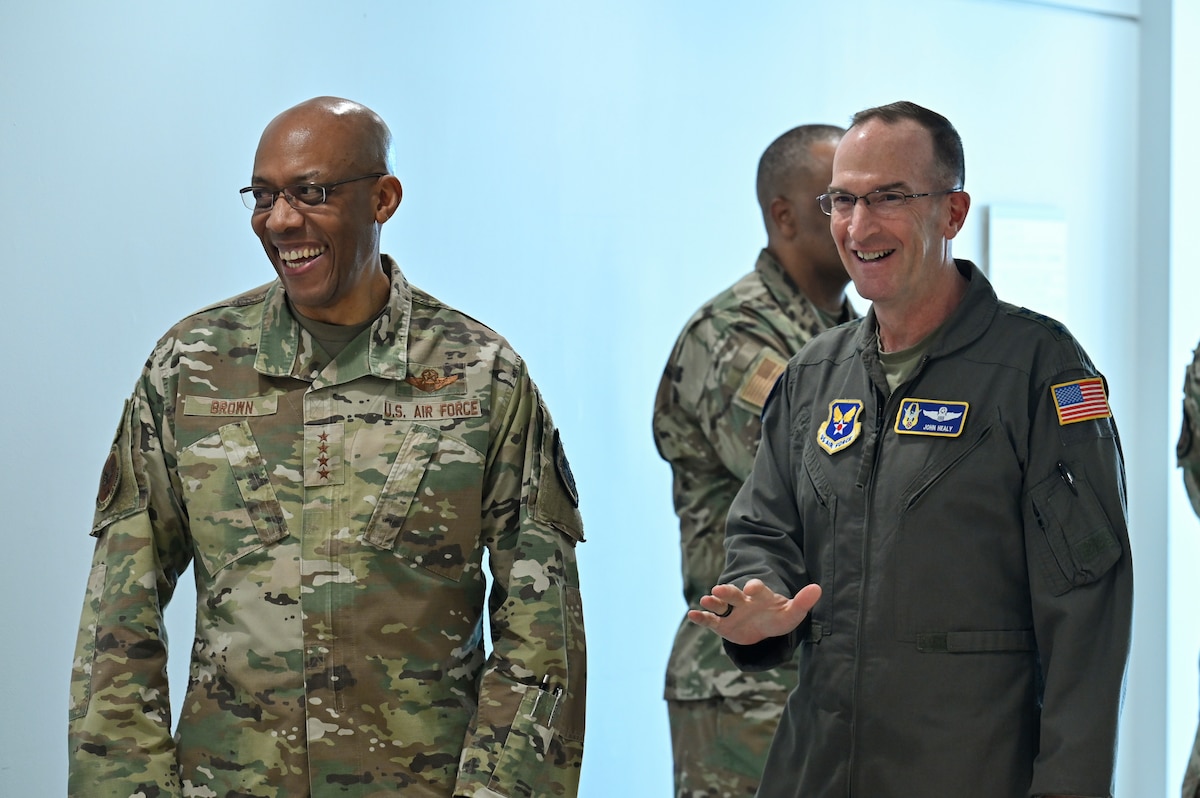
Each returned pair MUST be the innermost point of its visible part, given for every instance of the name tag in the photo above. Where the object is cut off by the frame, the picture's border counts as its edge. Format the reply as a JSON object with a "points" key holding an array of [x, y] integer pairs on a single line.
{"points": [[931, 417], [252, 406]]}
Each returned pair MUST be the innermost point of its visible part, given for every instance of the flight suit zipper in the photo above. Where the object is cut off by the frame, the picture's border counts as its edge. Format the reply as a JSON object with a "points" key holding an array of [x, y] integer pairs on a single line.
{"points": [[884, 409]]}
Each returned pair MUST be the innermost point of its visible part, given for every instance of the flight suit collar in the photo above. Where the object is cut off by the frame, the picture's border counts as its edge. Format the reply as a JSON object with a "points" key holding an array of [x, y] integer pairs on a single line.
{"points": [[285, 349], [966, 324]]}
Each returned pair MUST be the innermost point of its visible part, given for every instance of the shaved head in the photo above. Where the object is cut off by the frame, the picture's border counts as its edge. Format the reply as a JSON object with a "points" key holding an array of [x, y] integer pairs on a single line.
{"points": [[366, 139]]}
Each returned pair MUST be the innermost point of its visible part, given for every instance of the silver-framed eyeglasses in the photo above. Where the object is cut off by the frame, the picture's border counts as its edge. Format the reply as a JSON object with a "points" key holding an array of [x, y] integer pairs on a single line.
{"points": [[882, 201], [305, 195]]}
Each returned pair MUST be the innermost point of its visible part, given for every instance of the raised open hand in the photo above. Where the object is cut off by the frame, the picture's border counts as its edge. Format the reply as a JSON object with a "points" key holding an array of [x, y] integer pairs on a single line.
{"points": [[751, 615]]}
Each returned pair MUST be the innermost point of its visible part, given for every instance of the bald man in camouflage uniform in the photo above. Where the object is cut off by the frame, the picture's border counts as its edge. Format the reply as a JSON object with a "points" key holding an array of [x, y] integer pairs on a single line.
{"points": [[1188, 452], [333, 453], [706, 425]]}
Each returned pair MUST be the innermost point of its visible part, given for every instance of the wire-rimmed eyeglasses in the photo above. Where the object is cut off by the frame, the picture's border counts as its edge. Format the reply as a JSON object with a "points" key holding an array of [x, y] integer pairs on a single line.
{"points": [[305, 195], [883, 201]]}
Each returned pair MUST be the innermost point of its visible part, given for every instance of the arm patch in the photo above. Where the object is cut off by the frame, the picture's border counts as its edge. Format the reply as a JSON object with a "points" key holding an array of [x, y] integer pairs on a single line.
{"points": [[760, 379]]}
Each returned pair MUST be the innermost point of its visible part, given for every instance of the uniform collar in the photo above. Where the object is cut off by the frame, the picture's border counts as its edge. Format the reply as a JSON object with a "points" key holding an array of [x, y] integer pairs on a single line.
{"points": [[780, 286], [966, 324], [285, 349], [787, 295]]}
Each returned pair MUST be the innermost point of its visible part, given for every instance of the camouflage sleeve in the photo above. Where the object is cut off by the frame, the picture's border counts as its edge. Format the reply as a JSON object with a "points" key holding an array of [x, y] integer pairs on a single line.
{"points": [[1186, 450], [119, 719], [527, 737], [737, 380]]}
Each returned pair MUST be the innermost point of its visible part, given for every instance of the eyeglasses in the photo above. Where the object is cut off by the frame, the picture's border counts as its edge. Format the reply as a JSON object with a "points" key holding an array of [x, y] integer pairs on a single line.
{"points": [[258, 198], [883, 201]]}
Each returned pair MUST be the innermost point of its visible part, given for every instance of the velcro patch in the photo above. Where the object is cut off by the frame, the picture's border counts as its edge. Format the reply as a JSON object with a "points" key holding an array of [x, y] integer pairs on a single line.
{"points": [[1080, 400], [842, 426], [760, 378], [110, 480], [433, 381], [250, 406], [931, 417], [433, 410], [565, 475]]}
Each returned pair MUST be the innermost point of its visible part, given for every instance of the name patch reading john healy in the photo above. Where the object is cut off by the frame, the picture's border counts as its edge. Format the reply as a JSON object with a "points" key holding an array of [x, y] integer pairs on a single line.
{"points": [[931, 417], [461, 408]]}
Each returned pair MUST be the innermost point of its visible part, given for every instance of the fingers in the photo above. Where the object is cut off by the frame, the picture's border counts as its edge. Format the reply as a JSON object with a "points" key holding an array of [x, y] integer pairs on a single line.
{"points": [[718, 606], [703, 618], [755, 588], [729, 594]]}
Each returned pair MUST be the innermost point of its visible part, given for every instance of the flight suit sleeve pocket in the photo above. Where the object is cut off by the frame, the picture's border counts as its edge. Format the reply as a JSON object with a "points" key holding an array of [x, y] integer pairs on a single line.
{"points": [[1076, 544]]}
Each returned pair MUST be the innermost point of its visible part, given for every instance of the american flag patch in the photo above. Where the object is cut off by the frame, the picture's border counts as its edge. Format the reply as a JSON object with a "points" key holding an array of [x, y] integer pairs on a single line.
{"points": [[761, 379], [1081, 400]]}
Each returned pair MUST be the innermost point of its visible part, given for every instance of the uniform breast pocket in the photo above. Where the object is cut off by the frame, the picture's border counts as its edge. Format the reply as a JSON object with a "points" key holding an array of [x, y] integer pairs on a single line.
{"points": [[232, 507], [428, 511]]}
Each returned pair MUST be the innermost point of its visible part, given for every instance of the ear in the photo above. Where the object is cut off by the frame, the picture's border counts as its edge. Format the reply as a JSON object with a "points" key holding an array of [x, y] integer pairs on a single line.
{"points": [[783, 216], [960, 203], [387, 197]]}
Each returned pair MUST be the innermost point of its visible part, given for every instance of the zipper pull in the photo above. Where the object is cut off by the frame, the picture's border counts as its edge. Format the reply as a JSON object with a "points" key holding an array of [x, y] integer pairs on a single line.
{"points": [[1067, 476]]}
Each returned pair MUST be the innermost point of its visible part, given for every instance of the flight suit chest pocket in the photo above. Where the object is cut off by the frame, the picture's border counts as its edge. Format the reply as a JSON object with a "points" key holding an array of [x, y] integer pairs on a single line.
{"points": [[818, 517], [428, 511], [231, 504]]}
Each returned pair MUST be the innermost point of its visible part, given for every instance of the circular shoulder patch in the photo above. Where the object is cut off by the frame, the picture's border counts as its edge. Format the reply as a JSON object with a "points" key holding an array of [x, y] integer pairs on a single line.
{"points": [[110, 480], [564, 471]]}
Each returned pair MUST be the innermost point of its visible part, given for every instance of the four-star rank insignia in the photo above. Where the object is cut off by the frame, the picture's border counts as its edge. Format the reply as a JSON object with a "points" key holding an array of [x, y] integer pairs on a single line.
{"points": [[842, 426]]}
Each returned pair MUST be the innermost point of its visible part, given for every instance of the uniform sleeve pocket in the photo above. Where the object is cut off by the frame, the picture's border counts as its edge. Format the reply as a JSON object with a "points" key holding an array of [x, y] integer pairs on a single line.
{"points": [[554, 499], [571, 721], [85, 643], [526, 752], [1077, 544]]}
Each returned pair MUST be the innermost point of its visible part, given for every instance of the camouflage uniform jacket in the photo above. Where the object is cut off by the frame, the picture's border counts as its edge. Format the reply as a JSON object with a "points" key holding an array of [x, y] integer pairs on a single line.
{"points": [[1188, 453], [706, 425], [336, 516]]}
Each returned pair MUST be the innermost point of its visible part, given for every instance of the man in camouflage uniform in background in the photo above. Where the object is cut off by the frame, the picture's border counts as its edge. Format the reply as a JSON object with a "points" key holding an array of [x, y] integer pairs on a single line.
{"points": [[333, 453], [1188, 453], [706, 425]]}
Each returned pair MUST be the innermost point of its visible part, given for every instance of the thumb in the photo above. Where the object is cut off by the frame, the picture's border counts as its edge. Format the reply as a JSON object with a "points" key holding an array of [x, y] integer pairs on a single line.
{"points": [[808, 596]]}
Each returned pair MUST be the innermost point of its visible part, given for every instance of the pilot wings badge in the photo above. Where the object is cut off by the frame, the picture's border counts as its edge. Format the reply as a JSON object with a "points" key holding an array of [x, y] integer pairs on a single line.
{"points": [[842, 426]]}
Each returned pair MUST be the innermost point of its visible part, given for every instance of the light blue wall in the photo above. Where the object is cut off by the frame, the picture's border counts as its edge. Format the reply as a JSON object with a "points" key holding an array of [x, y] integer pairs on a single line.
{"points": [[578, 176]]}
